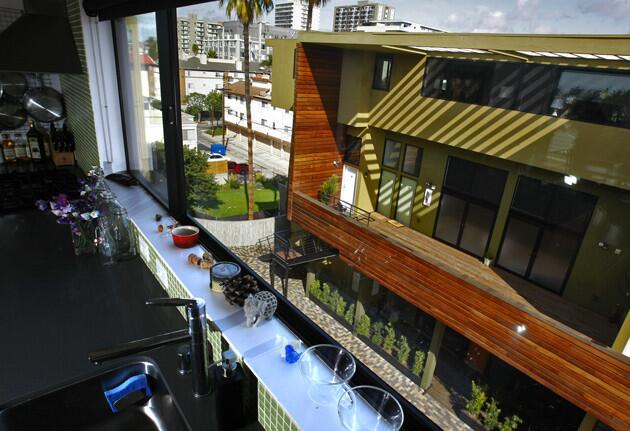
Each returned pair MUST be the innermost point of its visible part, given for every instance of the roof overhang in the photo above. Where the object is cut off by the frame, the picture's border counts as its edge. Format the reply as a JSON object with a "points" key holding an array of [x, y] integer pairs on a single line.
{"points": [[609, 51]]}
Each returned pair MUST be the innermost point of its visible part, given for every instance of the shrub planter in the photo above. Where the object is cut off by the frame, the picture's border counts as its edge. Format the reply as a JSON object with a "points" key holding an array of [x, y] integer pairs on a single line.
{"points": [[392, 359], [334, 315]]}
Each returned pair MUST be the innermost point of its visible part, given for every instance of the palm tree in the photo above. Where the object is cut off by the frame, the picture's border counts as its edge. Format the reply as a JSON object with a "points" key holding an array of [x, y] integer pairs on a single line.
{"points": [[246, 11], [311, 5]]}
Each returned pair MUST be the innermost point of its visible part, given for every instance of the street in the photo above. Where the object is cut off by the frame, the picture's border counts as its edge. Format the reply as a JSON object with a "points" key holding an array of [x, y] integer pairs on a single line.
{"points": [[264, 161]]}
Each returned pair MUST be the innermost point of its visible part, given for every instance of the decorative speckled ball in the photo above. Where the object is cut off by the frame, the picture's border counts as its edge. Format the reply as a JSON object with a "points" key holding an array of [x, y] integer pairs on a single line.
{"points": [[268, 303]]}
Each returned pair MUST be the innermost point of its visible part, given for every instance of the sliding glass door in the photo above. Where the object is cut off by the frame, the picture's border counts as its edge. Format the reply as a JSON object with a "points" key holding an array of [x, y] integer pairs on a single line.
{"points": [[545, 228], [470, 199]]}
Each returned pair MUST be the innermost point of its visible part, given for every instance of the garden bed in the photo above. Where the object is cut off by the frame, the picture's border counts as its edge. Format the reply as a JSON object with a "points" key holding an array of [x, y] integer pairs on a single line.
{"points": [[331, 313], [389, 357]]}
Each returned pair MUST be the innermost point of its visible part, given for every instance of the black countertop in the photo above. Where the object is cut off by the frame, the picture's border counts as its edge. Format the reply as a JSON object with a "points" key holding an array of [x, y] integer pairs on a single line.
{"points": [[56, 307]]}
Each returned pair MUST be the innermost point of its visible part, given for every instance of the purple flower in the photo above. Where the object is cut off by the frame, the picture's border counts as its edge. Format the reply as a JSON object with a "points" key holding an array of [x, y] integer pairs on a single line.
{"points": [[62, 200]]}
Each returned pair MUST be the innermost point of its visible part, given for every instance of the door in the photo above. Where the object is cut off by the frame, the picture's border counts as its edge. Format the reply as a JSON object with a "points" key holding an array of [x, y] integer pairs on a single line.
{"points": [[348, 184], [469, 204]]}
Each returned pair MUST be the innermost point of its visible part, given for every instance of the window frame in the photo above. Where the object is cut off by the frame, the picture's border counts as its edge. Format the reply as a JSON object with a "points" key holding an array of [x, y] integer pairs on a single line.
{"points": [[543, 225], [291, 316], [468, 200], [399, 173], [555, 70], [585, 70], [379, 58]]}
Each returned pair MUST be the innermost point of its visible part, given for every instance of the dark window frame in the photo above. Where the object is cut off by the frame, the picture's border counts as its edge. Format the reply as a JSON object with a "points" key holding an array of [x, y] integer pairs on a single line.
{"points": [[556, 88], [553, 88], [290, 315], [543, 225], [468, 199], [378, 60]]}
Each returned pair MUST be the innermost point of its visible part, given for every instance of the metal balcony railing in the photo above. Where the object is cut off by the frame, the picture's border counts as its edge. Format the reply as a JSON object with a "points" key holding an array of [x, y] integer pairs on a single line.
{"points": [[351, 211]]}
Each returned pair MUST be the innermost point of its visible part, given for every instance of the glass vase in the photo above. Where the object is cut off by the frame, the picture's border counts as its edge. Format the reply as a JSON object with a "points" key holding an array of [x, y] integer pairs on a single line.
{"points": [[83, 237]]}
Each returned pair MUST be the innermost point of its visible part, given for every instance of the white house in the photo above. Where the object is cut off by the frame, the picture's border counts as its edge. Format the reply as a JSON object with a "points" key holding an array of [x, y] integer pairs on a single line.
{"points": [[189, 131], [272, 126]]}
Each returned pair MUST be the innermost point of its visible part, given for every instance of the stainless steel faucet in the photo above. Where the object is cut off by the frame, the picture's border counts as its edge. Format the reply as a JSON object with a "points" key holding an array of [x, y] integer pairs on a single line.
{"points": [[196, 335]]}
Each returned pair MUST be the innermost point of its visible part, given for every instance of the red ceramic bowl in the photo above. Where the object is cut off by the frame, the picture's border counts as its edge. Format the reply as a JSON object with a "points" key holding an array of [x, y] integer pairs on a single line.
{"points": [[185, 236]]}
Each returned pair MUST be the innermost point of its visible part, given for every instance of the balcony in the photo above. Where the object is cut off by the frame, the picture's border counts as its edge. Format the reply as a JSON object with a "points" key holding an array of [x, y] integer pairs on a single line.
{"points": [[501, 284], [537, 332]]}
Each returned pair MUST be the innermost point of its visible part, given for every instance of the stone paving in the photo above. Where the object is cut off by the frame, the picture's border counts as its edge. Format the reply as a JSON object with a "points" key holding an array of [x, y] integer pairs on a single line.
{"points": [[444, 418]]}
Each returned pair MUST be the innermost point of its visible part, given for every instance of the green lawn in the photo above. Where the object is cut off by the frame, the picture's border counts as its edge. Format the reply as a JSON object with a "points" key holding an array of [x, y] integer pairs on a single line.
{"points": [[233, 202], [216, 132]]}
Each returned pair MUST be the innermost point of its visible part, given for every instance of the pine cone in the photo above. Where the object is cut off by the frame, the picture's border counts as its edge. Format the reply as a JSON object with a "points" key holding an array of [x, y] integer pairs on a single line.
{"points": [[238, 288]]}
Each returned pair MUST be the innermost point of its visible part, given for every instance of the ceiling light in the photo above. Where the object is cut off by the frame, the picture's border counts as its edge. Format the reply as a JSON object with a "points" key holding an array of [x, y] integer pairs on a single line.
{"points": [[520, 329]]}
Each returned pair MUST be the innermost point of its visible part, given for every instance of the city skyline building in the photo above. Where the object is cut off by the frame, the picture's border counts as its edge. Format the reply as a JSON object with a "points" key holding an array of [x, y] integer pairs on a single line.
{"points": [[294, 14], [349, 17]]}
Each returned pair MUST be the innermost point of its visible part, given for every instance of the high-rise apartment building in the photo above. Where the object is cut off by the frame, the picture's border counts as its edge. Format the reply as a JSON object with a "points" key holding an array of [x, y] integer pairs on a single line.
{"points": [[225, 39], [193, 31], [348, 18], [293, 14]]}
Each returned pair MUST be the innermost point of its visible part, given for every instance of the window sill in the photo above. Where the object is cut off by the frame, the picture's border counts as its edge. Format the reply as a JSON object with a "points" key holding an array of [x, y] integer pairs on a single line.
{"points": [[261, 347]]}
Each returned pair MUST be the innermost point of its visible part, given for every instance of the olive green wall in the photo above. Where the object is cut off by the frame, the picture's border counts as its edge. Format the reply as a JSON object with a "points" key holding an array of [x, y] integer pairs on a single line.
{"points": [[599, 279], [598, 153], [282, 72]]}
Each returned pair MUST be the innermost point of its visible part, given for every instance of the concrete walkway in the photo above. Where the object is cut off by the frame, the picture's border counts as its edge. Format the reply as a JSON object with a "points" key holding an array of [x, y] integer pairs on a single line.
{"points": [[444, 418]]}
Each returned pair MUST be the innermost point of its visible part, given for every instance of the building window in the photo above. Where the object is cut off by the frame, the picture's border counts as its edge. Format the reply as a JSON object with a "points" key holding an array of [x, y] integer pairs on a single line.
{"points": [[544, 231], [397, 190], [468, 207], [263, 122], [595, 97], [382, 72]]}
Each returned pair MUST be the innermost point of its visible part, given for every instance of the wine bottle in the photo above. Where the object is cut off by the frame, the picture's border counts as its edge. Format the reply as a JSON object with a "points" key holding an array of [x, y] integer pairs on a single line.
{"points": [[35, 143]]}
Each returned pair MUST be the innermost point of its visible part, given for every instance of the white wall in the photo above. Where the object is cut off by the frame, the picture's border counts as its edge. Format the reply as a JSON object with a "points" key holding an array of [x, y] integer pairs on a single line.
{"points": [[202, 81], [264, 117]]}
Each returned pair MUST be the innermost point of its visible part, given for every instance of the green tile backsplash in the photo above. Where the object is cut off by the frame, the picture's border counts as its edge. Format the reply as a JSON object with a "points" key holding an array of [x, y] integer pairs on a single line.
{"points": [[271, 415]]}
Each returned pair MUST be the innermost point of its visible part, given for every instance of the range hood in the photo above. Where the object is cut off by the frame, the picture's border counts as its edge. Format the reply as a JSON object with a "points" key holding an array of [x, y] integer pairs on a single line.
{"points": [[40, 40]]}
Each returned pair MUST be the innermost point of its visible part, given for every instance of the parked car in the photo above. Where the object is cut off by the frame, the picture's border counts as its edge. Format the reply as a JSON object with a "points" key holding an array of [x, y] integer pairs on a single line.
{"points": [[241, 169]]}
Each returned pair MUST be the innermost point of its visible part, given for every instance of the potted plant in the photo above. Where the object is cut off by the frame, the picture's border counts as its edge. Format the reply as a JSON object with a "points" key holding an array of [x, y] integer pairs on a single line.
{"points": [[477, 399], [418, 362], [403, 350], [363, 326], [328, 189], [491, 415], [349, 316], [510, 423], [390, 338], [377, 333]]}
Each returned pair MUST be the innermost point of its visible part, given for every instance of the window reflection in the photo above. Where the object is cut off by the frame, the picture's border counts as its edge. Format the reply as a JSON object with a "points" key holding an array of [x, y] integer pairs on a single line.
{"points": [[596, 97]]}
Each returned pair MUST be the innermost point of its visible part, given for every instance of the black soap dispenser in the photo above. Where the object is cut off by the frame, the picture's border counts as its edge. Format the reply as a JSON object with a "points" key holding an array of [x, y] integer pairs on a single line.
{"points": [[230, 390]]}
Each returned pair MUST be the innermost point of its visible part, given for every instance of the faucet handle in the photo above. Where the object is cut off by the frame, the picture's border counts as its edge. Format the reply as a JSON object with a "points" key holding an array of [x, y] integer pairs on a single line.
{"points": [[172, 302]]}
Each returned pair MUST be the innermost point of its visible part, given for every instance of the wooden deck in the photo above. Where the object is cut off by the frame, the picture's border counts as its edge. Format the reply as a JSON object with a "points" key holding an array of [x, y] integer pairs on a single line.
{"points": [[506, 286], [456, 289]]}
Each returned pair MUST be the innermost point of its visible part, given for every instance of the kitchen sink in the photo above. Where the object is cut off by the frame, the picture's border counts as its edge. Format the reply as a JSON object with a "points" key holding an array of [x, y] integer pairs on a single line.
{"points": [[82, 405]]}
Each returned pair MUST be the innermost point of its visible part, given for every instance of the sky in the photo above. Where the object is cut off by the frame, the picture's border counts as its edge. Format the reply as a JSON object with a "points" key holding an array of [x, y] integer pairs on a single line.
{"points": [[493, 16]]}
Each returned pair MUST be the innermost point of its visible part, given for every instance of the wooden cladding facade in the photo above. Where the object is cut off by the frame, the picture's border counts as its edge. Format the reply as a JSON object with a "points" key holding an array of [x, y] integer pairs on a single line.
{"points": [[591, 378], [314, 147]]}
